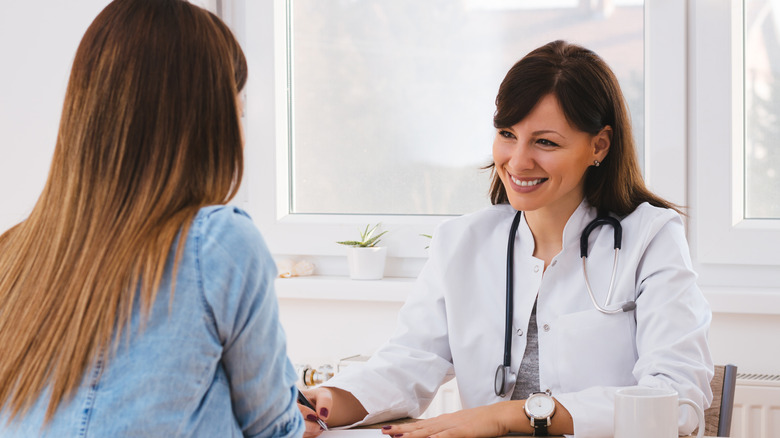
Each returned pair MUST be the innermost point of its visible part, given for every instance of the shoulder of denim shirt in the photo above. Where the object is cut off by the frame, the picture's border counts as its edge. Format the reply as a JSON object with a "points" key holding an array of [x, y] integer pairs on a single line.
{"points": [[221, 212], [230, 227]]}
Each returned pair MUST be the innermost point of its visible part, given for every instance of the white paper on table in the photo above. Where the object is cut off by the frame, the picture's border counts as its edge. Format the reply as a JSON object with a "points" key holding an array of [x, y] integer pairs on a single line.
{"points": [[352, 433]]}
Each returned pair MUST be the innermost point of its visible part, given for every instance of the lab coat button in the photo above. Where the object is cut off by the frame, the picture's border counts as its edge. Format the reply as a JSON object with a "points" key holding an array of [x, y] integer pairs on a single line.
{"points": [[547, 327], [536, 268], [519, 332], [554, 262]]}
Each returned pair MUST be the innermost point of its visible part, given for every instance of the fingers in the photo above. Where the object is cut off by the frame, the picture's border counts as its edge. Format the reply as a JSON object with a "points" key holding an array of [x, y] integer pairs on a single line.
{"points": [[304, 410], [312, 429], [423, 432], [315, 419], [466, 423], [429, 432], [418, 429], [323, 401]]}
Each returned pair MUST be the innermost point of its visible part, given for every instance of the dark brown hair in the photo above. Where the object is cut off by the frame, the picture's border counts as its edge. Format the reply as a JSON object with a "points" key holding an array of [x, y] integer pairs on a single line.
{"points": [[150, 133], [590, 97]]}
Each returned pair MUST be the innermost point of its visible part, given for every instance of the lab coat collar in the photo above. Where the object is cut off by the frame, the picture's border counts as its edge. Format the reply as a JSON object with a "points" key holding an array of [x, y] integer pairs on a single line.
{"points": [[581, 217], [577, 222], [525, 238]]}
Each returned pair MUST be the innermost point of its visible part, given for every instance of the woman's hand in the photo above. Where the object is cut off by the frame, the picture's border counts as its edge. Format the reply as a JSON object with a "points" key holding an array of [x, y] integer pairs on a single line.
{"points": [[334, 406], [322, 400], [484, 421]]}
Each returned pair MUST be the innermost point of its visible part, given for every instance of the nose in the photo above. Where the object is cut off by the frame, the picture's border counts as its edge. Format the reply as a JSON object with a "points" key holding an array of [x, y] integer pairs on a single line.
{"points": [[522, 157]]}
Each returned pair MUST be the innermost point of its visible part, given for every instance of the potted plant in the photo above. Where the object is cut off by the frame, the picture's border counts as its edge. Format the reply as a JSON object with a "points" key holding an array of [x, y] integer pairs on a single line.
{"points": [[366, 259]]}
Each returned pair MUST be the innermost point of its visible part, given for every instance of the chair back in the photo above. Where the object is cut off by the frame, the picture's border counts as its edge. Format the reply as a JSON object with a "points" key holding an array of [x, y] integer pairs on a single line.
{"points": [[718, 416]]}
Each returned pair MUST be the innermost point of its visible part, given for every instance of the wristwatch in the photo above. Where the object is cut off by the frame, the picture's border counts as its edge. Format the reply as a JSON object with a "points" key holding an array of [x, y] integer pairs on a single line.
{"points": [[540, 407]]}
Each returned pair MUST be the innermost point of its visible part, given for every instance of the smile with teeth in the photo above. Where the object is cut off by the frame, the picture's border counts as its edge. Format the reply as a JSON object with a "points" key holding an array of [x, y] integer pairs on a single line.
{"points": [[527, 183]]}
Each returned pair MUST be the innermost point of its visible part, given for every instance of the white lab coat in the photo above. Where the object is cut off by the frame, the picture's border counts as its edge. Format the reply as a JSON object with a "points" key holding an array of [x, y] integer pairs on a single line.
{"points": [[453, 321]]}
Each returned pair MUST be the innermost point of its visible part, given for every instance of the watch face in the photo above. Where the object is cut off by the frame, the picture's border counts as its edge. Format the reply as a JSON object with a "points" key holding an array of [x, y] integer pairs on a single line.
{"points": [[540, 406]]}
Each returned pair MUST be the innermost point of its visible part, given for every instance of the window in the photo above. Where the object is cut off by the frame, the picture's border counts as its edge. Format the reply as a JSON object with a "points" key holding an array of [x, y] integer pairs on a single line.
{"points": [[736, 230], [762, 109], [391, 101], [431, 106]]}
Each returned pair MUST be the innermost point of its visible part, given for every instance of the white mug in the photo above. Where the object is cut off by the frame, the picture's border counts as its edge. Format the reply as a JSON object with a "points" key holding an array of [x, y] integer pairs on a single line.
{"points": [[650, 413]]}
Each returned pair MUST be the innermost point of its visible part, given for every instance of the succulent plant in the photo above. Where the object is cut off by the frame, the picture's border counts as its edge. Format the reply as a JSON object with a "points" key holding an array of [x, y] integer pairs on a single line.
{"points": [[367, 238]]}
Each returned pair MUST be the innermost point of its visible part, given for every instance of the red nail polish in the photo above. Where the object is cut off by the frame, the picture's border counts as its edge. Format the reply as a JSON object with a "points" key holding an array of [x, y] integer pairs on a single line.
{"points": [[387, 427], [311, 417], [324, 412]]}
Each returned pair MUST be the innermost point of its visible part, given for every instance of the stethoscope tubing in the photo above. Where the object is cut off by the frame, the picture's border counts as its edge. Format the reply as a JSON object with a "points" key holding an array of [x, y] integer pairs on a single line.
{"points": [[611, 286], [618, 240], [510, 256]]}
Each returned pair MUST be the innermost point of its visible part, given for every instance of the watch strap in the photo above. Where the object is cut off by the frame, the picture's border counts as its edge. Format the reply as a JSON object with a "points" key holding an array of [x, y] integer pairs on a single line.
{"points": [[540, 426]]}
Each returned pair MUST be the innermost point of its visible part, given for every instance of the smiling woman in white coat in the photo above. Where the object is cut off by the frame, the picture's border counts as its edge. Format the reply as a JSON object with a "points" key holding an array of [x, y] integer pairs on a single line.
{"points": [[563, 155]]}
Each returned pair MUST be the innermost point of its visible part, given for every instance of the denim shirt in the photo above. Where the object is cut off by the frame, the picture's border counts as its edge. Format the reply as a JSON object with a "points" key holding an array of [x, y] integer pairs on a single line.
{"points": [[210, 361]]}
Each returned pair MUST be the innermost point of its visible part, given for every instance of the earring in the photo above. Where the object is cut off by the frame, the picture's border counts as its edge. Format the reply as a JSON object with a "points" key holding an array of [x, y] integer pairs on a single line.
{"points": [[596, 163]]}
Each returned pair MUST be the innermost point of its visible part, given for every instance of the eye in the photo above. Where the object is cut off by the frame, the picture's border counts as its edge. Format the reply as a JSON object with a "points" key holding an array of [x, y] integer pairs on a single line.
{"points": [[506, 134], [545, 142]]}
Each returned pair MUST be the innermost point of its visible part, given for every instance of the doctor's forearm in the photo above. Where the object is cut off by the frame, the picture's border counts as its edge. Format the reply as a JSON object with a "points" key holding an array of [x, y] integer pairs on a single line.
{"points": [[562, 422]]}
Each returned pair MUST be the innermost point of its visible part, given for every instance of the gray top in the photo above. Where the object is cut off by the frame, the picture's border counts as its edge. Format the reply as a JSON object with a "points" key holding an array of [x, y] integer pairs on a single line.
{"points": [[528, 374]]}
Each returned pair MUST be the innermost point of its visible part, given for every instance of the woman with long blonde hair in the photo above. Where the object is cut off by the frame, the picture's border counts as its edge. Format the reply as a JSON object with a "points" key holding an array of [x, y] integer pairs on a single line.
{"points": [[132, 300]]}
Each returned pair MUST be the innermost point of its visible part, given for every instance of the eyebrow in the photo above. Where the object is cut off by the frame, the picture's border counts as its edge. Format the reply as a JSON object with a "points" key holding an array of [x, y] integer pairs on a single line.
{"points": [[549, 131]]}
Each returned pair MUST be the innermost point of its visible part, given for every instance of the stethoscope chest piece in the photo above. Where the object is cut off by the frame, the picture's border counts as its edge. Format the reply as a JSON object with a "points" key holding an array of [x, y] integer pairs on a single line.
{"points": [[505, 380]]}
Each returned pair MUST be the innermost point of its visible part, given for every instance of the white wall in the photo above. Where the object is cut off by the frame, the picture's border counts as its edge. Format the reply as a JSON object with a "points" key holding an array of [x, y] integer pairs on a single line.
{"points": [[324, 331], [746, 340], [37, 44]]}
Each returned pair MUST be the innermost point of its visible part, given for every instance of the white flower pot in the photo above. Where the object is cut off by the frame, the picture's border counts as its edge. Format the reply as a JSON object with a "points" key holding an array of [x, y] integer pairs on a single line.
{"points": [[367, 263]]}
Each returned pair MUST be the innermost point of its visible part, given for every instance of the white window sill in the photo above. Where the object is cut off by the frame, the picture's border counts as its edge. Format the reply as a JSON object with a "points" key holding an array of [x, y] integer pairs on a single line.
{"points": [[320, 287], [396, 290]]}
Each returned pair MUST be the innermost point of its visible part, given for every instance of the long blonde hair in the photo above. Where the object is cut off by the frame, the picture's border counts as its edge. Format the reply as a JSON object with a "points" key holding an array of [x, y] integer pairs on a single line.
{"points": [[149, 134]]}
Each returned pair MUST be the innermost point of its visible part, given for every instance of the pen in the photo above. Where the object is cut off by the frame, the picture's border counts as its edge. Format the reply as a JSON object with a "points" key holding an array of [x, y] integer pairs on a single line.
{"points": [[305, 401]]}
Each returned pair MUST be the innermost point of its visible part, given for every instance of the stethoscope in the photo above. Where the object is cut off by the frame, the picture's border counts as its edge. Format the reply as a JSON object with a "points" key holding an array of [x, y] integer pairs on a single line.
{"points": [[505, 377]]}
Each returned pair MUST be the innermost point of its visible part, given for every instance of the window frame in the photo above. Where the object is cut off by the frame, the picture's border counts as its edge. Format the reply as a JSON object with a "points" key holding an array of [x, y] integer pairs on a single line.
{"points": [[267, 179]]}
